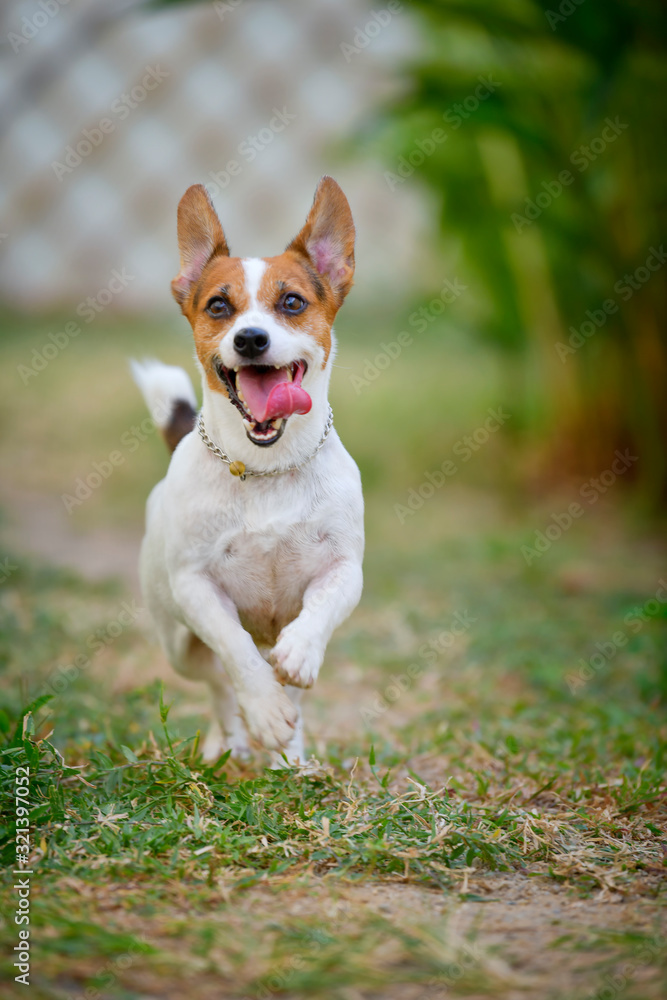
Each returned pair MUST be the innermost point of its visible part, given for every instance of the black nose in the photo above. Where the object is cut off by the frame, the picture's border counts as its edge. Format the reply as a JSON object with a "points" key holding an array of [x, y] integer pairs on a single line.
{"points": [[250, 343]]}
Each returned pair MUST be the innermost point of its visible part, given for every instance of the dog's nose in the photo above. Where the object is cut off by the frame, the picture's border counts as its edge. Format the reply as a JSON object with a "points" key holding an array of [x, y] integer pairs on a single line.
{"points": [[250, 343]]}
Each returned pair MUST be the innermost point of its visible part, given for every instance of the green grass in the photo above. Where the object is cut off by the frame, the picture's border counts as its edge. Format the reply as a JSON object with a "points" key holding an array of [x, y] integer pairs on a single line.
{"points": [[450, 762]]}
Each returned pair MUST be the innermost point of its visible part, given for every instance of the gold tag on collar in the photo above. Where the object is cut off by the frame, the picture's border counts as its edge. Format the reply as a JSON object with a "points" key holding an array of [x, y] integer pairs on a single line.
{"points": [[237, 468]]}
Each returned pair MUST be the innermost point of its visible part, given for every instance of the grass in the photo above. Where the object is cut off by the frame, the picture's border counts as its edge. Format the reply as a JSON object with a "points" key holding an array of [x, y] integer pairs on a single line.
{"points": [[467, 753]]}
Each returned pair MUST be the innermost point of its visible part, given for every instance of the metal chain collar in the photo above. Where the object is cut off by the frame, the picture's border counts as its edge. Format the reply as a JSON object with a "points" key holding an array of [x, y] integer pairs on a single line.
{"points": [[238, 468]]}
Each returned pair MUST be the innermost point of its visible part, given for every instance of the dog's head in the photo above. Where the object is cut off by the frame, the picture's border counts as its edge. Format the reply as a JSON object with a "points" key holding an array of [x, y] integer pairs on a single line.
{"points": [[262, 326]]}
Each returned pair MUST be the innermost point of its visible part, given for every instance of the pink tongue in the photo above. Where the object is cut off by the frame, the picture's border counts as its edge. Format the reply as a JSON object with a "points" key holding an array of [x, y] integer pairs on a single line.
{"points": [[271, 394]]}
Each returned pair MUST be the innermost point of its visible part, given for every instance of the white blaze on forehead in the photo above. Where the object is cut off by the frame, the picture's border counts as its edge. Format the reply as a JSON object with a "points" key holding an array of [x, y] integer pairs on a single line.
{"points": [[286, 344], [253, 268]]}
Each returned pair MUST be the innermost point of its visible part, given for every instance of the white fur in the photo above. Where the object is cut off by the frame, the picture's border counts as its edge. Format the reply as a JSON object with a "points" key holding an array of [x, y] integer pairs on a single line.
{"points": [[261, 572], [161, 386], [253, 268]]}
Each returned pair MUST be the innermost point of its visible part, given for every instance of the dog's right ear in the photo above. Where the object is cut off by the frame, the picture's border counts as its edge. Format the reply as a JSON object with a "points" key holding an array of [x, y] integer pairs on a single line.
{"points": [[200, 237]]}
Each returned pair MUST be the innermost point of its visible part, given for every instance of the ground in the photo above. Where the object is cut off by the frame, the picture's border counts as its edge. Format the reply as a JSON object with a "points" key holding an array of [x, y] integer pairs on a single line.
{"points": [[485, 812]]}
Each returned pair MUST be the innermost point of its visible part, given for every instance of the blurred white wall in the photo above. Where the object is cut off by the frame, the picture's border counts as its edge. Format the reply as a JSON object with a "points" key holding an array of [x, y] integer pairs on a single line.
{"points": [[181, 91]]}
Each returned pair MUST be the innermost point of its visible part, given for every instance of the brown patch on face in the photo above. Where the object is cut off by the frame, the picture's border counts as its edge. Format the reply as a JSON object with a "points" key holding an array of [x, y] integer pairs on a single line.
{"points": [[222, 276], [289, 272]]}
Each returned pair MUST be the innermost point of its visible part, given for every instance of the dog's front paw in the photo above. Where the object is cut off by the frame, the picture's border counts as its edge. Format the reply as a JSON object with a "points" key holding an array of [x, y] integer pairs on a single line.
{"points": [[271, 718], [296, 658]]}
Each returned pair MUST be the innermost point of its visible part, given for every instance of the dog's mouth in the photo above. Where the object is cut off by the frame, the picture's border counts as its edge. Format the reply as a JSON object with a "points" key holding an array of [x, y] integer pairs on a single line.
{"points": [[266, 395]]}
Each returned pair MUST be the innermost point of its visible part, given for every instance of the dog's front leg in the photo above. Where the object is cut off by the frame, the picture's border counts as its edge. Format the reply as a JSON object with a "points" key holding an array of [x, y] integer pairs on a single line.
{"points": [[268, 712], [298, 653]]}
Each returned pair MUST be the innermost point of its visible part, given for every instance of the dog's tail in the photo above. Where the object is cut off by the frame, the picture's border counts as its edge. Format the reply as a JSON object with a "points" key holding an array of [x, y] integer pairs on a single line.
{"points": [[169, 396]]}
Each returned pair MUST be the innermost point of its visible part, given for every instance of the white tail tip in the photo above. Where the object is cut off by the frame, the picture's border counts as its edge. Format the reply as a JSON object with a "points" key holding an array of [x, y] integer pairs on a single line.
{"points": [[162, 386]]}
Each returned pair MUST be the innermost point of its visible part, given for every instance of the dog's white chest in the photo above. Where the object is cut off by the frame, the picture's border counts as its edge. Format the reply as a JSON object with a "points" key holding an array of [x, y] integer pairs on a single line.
{"points": [[266, 568], [263, 543]]}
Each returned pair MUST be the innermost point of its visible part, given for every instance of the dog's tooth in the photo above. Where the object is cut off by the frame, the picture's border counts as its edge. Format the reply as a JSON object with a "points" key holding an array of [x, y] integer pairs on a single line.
{"points": [[236, 369]]}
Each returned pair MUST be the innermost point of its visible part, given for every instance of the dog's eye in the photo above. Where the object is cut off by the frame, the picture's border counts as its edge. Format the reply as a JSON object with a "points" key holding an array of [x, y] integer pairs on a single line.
{"points": [[292, 303], [218, 307]]}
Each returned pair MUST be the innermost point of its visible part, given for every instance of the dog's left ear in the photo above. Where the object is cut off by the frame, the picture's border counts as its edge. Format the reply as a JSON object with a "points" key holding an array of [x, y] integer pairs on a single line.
{"points": [[200, 237], [327, 237]]}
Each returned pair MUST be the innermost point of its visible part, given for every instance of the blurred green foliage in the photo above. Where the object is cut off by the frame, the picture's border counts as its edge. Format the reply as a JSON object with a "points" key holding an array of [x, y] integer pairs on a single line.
{"points": [[499, 102]]}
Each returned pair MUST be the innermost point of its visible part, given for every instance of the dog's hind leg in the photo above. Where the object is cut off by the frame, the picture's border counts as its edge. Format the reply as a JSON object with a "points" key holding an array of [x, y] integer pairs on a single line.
{"points": [[227, 730], [193, 659]]}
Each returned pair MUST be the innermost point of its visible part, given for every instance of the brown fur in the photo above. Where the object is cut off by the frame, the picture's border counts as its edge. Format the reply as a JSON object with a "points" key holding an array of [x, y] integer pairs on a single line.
{"points": [[318, 264], [181, 422]]}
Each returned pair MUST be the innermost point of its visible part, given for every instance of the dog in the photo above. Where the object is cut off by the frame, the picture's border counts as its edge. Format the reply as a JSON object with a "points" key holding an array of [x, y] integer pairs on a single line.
{"points": [[254, 539]]}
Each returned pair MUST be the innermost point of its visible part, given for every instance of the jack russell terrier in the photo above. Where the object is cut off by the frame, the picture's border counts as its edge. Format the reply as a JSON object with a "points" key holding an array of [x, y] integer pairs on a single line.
{"points": [[254, 539]]}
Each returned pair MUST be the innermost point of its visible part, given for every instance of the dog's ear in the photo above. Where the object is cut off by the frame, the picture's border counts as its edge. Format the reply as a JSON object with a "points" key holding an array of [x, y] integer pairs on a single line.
{"points": [[200, 237], [327, 237]]}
